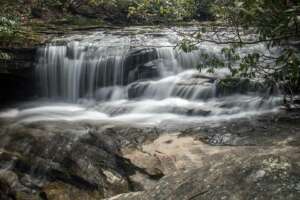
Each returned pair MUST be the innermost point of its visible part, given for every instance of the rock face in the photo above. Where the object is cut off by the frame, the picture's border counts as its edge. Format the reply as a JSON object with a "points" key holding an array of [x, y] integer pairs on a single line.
{"points": [[196, 167], [16, 74], [240, 159], [108, 12], [65, 161], [263, 177], [230, 86], [138, 65]]}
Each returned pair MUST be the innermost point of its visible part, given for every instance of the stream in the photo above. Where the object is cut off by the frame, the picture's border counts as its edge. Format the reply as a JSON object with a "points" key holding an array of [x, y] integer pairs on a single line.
{"points": [[124, 114]]}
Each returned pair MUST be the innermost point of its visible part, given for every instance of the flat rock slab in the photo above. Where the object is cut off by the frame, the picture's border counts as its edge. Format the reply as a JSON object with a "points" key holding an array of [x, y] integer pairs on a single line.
{"points": [[195, 170]]}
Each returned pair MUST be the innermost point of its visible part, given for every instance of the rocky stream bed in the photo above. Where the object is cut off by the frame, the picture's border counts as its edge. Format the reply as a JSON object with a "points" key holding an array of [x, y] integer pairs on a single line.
{"points": [[249, 158]]}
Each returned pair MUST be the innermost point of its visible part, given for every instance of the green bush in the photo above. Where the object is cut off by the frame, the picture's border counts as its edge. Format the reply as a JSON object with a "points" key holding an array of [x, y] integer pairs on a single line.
{"points": [[161, 10], [204, 10], [12, 33], [9, 29]]}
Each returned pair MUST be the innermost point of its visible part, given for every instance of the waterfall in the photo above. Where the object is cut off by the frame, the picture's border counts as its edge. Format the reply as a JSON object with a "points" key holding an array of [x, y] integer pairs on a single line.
{"points": [[72, 71], [139, 76], [79, 69]]}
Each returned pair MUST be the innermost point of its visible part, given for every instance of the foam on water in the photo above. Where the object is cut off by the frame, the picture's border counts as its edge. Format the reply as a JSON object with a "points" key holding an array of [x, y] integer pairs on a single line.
{"points": [[148, 112]]}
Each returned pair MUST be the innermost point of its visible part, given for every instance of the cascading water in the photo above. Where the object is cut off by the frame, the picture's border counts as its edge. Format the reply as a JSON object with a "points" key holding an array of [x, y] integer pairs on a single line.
{"points": [[137, 77], [77, 69]]}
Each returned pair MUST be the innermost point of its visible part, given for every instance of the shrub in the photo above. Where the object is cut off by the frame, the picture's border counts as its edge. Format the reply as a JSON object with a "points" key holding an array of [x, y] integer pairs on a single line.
{"points": [[161, 10]]}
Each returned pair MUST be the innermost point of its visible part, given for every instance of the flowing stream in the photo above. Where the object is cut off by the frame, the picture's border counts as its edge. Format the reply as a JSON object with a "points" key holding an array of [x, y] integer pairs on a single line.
{"points": [[136, 75]]}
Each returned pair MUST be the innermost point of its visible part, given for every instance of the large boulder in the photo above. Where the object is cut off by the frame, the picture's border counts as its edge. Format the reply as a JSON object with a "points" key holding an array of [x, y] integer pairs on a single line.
{"points": [[138, 65], [242, 159], [67, 161], [263, 177]]}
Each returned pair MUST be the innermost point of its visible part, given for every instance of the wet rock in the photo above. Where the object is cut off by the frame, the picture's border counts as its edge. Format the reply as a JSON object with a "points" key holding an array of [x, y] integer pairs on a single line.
{"points": [[136, 89], [198, 112], [230, 86], [270, 129], [197, 80], [137, 65], [147, 71]]}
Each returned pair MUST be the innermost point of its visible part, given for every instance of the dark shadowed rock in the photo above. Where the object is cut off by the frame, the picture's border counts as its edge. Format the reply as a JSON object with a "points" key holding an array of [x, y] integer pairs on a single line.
{"points": [[230, 86], [5, 190], [62, 159], [138, 65], [16, 74]]}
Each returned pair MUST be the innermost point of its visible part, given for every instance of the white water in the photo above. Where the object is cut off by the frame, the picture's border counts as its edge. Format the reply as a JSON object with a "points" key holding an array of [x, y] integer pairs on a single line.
{"points": [[130, 77]]}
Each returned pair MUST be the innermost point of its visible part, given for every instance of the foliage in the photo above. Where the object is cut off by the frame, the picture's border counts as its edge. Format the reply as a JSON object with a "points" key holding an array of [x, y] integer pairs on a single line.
{"points": [[146, 11], [162, 10], [114, 10], [12, 32], [204, 9], [51, 3], [153, 11], [20, 17], [121, 11], [9, 25], [272, 23], [9, 29]]}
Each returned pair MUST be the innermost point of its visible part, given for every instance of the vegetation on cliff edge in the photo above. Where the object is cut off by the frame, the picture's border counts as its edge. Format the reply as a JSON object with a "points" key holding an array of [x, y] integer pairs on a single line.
{"points": [[274, 24]]}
